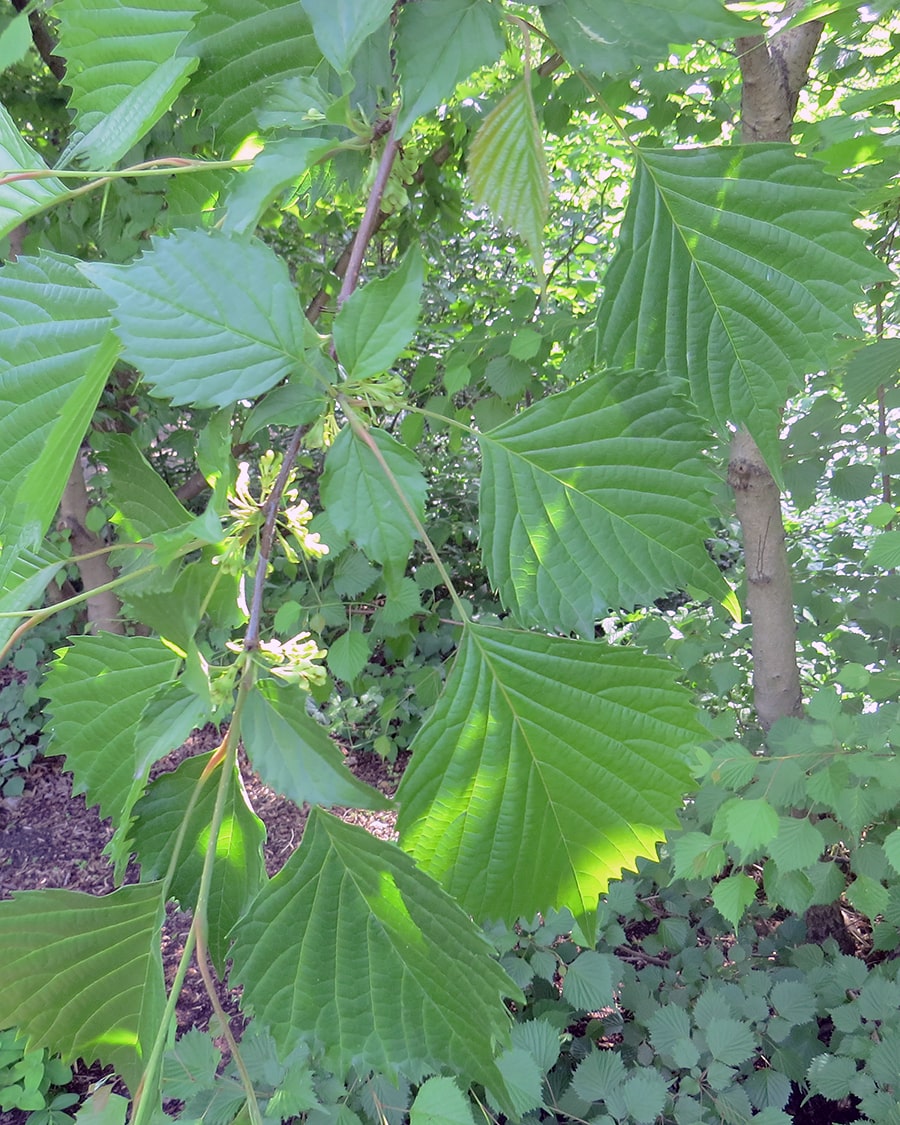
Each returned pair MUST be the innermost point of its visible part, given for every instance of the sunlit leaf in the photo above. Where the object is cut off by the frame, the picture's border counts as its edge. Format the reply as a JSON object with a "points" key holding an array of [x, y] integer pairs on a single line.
{"points": [[21, 199], [238, 872], [354, 948], [737, 267], [597, 498], [546, 767], [82, 975], [508, 169], [233, 326]]}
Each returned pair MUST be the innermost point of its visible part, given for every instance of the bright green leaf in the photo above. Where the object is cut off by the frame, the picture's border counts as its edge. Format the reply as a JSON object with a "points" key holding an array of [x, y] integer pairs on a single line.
{"points": [[798, 843], [751, 824], [546, 767], [293, 754], [508, 169], [15, 41], [739, 269], [697, 856], [596, 498], [279, 166], [439, 43], [238, 872], [145, 504], [83, 975], [348, 655], [440, 1102], [233, 326], [341, 26], [350, 945], [167, 722], [360, 499], [377, 321]]}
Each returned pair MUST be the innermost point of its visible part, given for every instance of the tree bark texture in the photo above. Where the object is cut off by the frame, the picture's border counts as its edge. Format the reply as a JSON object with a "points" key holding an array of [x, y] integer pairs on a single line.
{"points": [[774, 71]]}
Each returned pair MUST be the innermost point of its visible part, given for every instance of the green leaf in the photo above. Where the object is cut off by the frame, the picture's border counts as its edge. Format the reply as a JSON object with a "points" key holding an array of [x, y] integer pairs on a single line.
{"points": [[103, 1108], [279, 166], [233, 325], [27, 573], [246, 47], [590, 981], [697, 856], [522, 1079], [508, 169], [732, 895], [608, 38], [98, 689], [56, 351], [348, 655], [731, 1041], [145, 504], [892, 849], [167, 722], [870, 367], [867, 896], [238, 872], [768, 1089], [601, 1075], [546, 767], [885, 550], [596, 498], [540, 1039], [377, 321], [15, 41], [751, 824], [438, 44], [359, 497], [737, 268], [112, 47], [21, 199], [341, 26], [294, 756], [82, 975], [644, 1094], [798, 843], [440, 1102], [669, 1027], [794, 1001], [351, 946], [133, 117], [832, 1076]]}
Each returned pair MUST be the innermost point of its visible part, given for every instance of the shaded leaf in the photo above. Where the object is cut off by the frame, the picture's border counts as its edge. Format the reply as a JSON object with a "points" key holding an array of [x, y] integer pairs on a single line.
{"points": [[233, 325], [440, 1102], [238, 872], [83, 975], [751, 824], [98, 689], [376, 322], [21, 199], [438, 44], [360, 500], [870, 367], [738, 268], [508, 169], [590, 981], [608, 38], [293, 754], [522, 1078], [731, 1041], [348, 655], [601, 1074], [596, 498], [546, 767], [279, 166], [732, 895], [351, 946], [798, 843], [540, 1039], [145, 504], [644, 1095], [341, 26]]}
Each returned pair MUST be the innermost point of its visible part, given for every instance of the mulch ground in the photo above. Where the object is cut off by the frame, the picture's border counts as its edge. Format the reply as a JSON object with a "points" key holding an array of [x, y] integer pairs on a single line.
{"points": [[48, 838]]}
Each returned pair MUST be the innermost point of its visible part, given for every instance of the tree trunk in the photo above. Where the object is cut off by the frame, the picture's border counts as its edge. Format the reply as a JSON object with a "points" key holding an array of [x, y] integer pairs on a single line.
{"points": [[103, 609], [774, 71]]}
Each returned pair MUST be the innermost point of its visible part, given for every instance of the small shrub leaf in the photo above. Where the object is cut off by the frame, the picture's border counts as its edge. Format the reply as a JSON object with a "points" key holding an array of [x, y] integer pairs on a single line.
{"points": [[731, 1041], [440, 1102], [798, 843], [832, 1076], [540, 1039], [644, 1094], [590, 981], [601, 1074], [733, 895]]}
